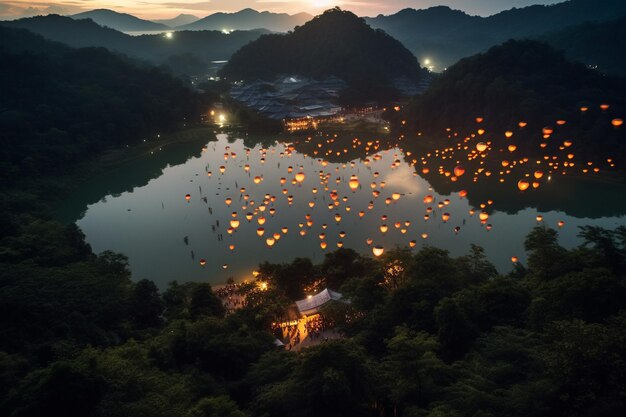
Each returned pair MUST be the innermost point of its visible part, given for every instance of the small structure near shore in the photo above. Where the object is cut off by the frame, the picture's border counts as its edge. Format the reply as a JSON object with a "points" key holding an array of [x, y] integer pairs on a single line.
{"points": [[313, 303]]}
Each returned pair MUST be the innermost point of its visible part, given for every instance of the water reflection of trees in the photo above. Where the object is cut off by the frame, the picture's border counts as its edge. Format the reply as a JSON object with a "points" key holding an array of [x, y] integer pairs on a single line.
{"points": [[578, 196], [132, 175]]}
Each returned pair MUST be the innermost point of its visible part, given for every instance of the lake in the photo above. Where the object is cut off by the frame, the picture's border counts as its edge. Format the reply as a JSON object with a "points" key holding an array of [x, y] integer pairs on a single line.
{"points": [[140, 208]]}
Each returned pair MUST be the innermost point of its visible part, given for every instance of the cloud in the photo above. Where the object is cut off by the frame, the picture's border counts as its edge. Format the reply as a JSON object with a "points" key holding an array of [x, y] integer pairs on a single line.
{"points": [[27, 9]]}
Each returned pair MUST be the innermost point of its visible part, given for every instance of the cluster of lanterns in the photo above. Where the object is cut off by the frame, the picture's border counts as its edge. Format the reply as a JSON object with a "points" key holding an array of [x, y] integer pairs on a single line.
{"points": [[473, 149]]}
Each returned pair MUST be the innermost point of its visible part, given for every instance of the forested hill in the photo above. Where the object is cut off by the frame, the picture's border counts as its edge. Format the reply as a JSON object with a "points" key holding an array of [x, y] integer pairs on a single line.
{"points": [[61, 105], [204, 46], [335, 43], [524, 81], [445, 35], [601, 45]]}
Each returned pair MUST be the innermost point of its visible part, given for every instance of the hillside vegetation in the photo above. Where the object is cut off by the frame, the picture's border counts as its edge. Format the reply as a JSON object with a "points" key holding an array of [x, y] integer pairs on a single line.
{"points": [[335, 43]]}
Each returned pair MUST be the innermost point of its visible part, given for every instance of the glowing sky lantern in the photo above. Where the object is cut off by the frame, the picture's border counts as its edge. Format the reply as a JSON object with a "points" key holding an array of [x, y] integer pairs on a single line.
{"points": [[202, 262], [257, 179], [483, 216], [514, 259], [459, 171], [337, 217], [523, 185], [617, 122], [395, 196], [188, 197], [354, 183], [425, 171], [412, 243], [463, 193], [428, 199], [512, 148], [323, 245], [424, 235], [561, 223], [300, 177], [260, 231], [445, 217], [384, 228], [234, 223], [378, 251], [604, 107], [539, 218], [225, 266], [270, 241], [508, 134], [228, 201], [481, 146]]}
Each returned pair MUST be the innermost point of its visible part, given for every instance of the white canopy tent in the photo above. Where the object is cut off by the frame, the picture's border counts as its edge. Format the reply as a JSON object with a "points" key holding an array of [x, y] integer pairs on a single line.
{"points": [[313, 303]]}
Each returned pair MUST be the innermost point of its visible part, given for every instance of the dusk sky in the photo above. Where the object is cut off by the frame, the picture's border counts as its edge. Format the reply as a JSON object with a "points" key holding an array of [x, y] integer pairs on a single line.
{"points": [[161, 9]]}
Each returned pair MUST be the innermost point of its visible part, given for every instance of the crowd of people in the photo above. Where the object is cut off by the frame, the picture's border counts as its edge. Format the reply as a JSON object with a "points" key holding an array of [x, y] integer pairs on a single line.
{"points": [[308, 331], [230, 296]]}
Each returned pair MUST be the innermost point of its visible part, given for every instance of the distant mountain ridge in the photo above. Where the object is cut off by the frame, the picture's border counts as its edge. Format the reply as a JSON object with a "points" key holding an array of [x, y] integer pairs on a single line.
{"points": [[204, 45], [247, 19], [601, 45], [445, 35], [181, 19], [119, 21]]}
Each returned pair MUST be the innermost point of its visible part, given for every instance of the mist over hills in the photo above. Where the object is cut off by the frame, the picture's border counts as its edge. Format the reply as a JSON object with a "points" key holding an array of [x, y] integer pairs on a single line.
{"points": [[119, 21], [247, 19], [181, 19], [205, 46], [445, 35], [440, 34]]}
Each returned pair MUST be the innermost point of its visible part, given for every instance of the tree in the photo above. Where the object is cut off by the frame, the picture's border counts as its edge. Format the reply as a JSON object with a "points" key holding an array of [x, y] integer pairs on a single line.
{"points": [[146, 305], [204, 303]]}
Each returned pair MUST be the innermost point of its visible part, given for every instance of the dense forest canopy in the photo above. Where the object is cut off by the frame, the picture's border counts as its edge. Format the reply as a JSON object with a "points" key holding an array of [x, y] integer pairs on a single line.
{"points": [[336, 43], [425, 334], [445, 35]]}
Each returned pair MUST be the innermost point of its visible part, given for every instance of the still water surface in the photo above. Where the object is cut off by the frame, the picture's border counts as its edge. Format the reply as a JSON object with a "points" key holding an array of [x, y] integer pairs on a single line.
{"points": [[140, 209]]}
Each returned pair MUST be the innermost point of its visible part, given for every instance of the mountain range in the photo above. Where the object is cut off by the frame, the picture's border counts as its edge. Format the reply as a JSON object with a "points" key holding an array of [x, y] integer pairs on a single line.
{"points": [[119, 21], [247, 19], [181, 19], [444, 35], [204, 46], [589, 31]]}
